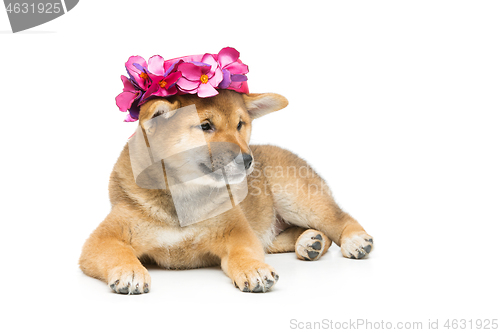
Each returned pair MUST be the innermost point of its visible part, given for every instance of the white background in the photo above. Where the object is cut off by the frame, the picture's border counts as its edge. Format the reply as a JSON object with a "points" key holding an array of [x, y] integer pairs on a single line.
{"points": [[395, 103]]}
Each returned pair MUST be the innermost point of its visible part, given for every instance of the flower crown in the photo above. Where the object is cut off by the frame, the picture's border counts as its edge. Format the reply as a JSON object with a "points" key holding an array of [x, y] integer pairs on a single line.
{"points": [[199, 74]]}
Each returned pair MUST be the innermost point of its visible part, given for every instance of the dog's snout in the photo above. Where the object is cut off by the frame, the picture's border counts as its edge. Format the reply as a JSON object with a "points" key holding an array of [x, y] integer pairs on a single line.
{"points": [[247, 161]]}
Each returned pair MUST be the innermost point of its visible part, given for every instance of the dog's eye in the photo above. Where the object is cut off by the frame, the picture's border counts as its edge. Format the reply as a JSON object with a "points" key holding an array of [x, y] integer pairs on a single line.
{"points": [[240, 125], [206, 126]]}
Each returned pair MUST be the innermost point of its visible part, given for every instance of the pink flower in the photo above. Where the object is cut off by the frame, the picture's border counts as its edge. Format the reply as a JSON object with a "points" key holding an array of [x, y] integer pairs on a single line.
{"points": [[129, 99], [200, 74], [233, 70], [138, 72], [163, 78], [200, 77]]}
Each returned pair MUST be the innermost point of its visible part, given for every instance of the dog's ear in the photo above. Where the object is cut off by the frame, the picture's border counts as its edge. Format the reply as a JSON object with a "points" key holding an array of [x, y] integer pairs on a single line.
{"points": [[155, 108], [259, 105]]}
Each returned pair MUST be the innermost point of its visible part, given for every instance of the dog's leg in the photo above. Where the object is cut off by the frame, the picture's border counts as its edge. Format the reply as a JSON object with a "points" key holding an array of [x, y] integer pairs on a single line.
{"points": [[242, 256], [303, 199], [285, 241], [320, 212], [108, 255], [308, 244], [344, 230]]}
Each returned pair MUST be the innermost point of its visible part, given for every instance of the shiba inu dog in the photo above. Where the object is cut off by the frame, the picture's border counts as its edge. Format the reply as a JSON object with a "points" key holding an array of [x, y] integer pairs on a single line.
{"points": [[287, 206]]}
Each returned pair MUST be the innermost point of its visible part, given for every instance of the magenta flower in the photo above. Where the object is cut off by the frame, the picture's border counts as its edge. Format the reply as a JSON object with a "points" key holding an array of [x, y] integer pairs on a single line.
{"points": [[129, 99], [138, 72], [233, 70], [163, 78], [201, 74], [200, 77]]}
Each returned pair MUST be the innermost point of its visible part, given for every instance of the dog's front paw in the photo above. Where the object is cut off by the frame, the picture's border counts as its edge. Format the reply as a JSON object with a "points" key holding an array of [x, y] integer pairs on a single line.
{"points": [[256, 277], [356, 246], [311, 245], [127, 280]]}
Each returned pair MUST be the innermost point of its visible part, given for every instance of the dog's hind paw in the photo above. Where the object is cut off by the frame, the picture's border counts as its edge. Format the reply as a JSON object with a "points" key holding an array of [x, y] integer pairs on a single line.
{"points": [[357, 246], [311, 245]]}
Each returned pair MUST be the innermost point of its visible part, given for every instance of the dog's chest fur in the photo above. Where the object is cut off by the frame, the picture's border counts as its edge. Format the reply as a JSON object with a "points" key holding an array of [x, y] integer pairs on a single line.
{"points": [[189, 247], [180, 248], [174, 237]]}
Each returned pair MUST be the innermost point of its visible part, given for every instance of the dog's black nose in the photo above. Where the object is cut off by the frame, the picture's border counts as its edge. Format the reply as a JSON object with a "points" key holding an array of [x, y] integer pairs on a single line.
{"points": [[247, 160]]}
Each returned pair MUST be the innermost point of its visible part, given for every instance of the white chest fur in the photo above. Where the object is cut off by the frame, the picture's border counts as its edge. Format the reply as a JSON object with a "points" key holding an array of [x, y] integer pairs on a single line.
{"points": [[173, 237]]}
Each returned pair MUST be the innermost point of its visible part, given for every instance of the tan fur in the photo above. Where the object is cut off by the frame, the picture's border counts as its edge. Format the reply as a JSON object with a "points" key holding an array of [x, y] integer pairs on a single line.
{"points": [[142, 224]]}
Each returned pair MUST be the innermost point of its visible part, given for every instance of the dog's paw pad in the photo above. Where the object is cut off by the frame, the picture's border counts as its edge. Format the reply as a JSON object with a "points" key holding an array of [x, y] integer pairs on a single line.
{"points": [[129, 281], [357, 246], [311, 245], [318, 236], [258, 278]]}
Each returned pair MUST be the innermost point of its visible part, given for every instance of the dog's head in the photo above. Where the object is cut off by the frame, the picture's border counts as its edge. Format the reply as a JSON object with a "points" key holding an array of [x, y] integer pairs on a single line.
{"points": [[212, 139]]}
